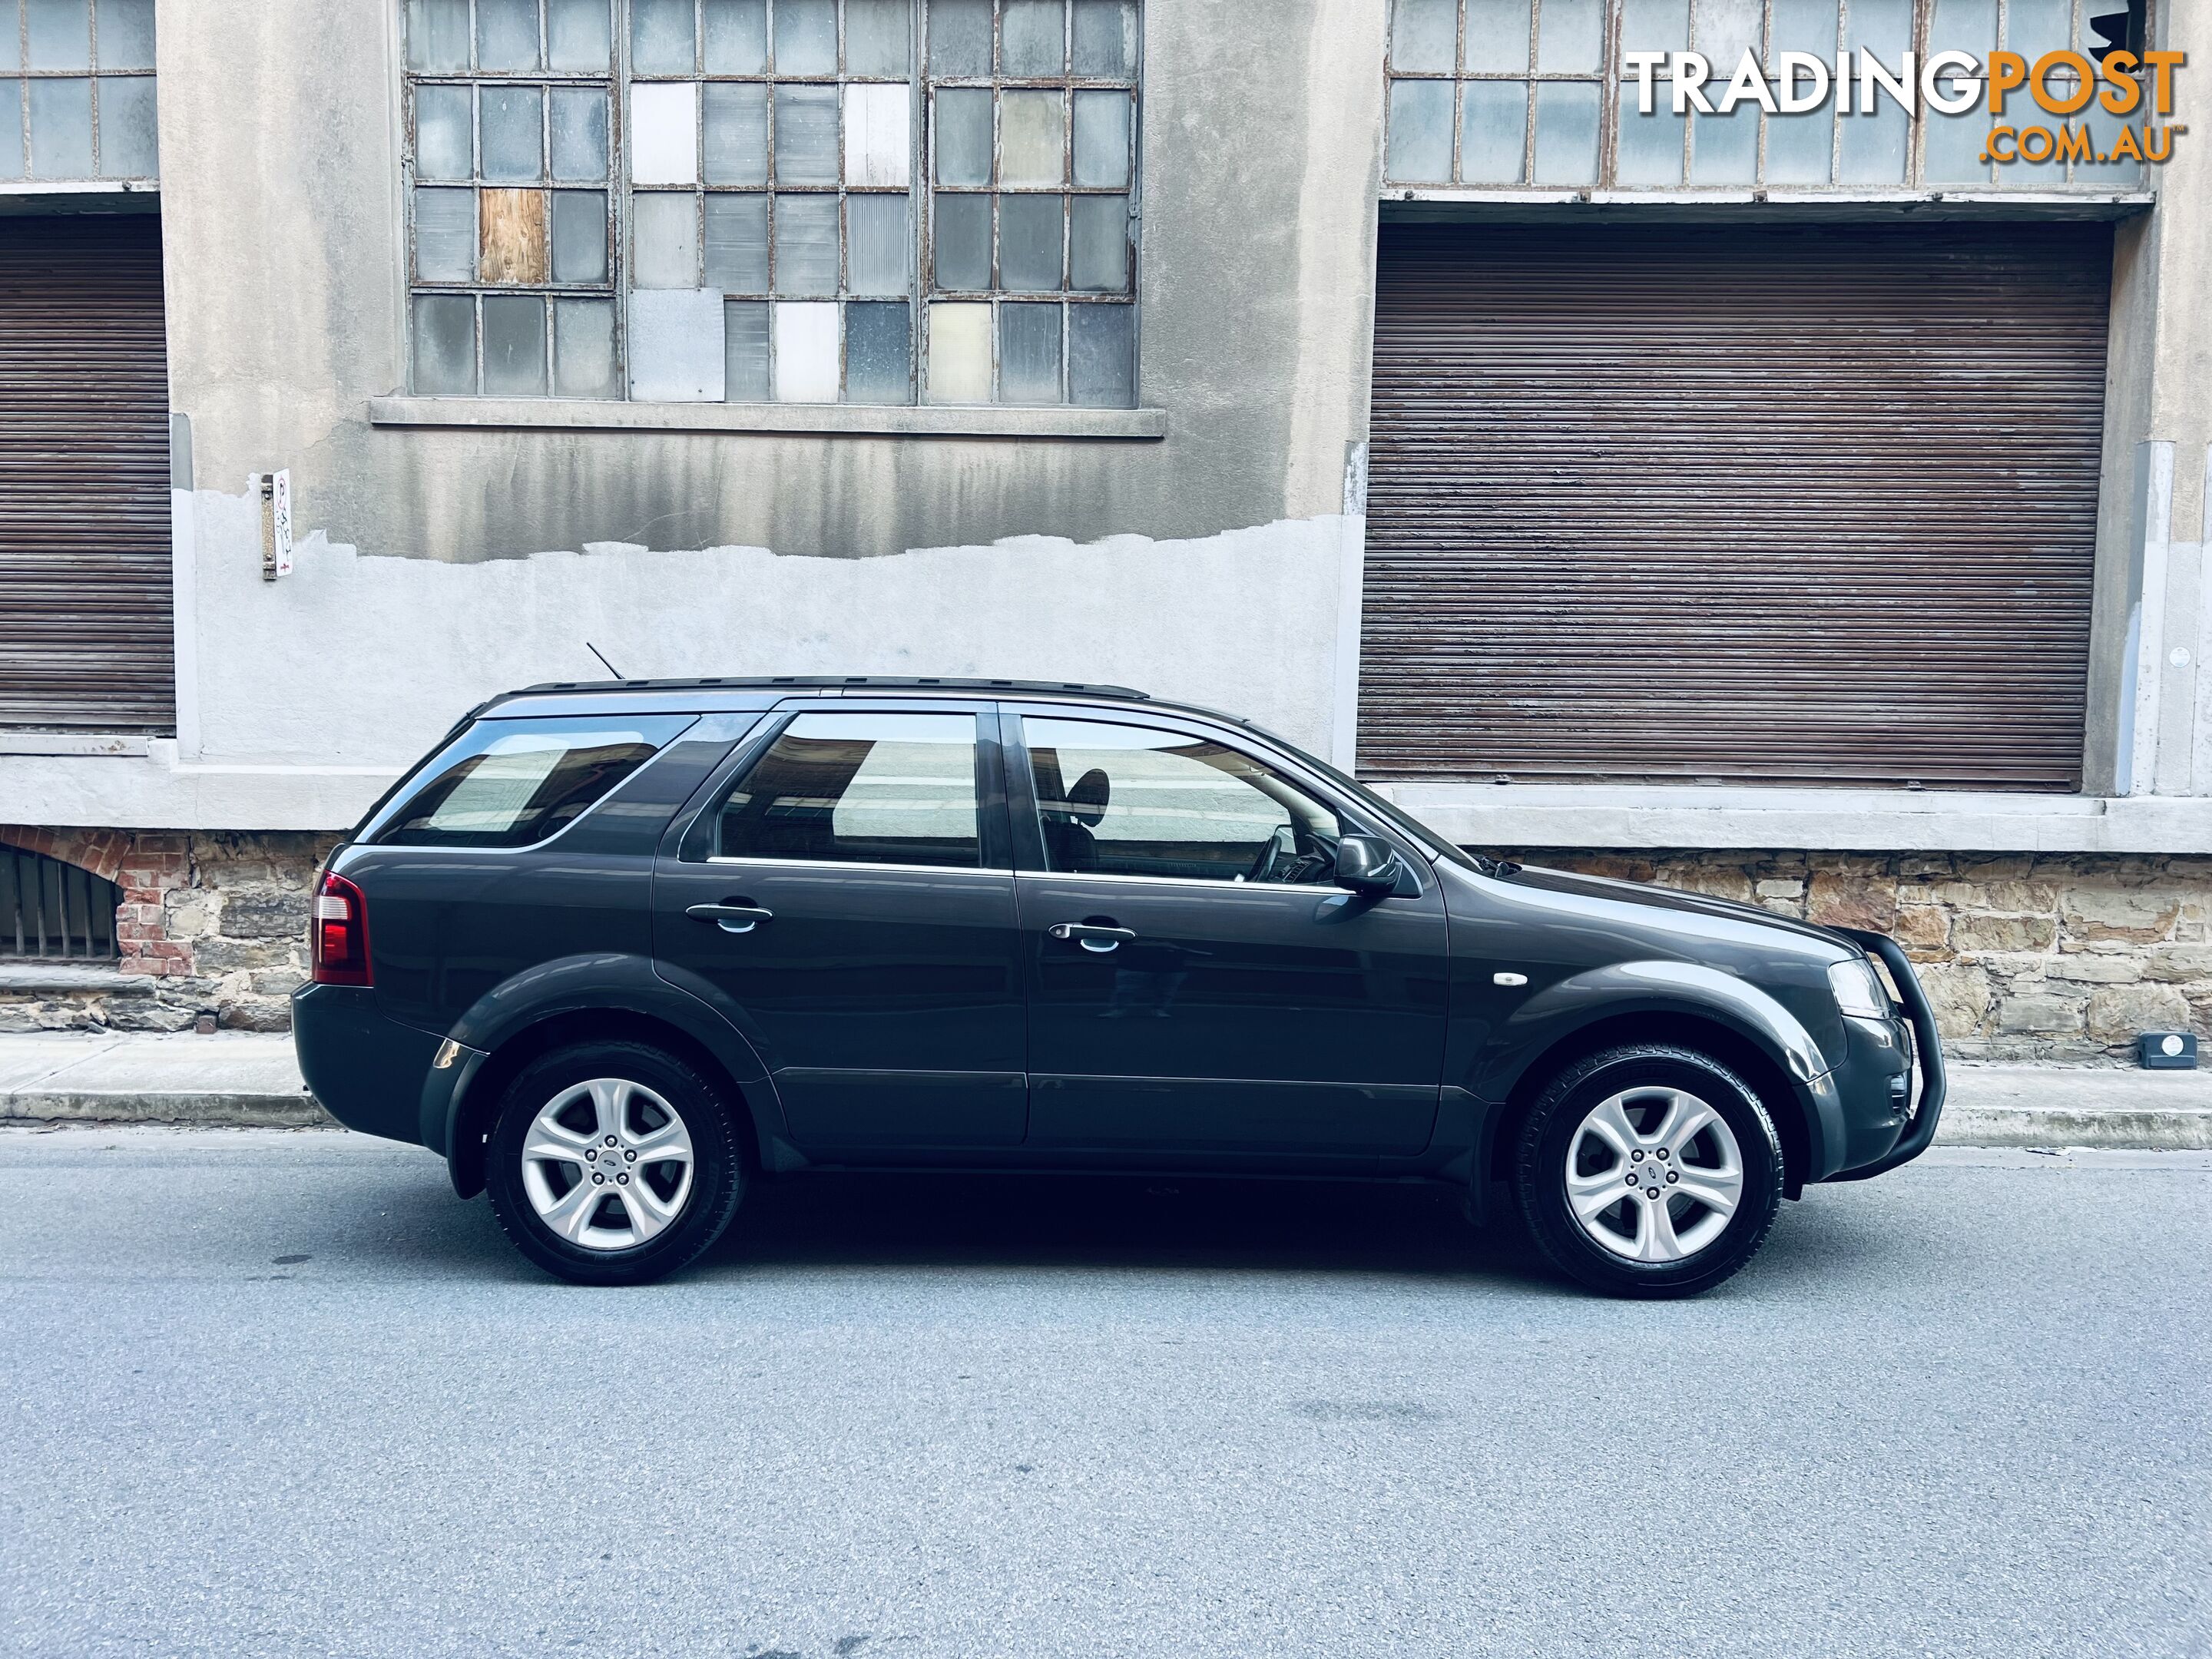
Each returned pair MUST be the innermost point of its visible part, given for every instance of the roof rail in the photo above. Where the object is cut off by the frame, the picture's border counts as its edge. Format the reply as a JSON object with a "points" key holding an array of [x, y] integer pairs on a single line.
{"points": [[826, 682]]}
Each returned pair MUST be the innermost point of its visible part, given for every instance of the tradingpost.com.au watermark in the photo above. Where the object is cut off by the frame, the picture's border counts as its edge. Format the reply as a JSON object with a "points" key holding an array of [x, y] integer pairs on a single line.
{"points": [[2064, 84]]}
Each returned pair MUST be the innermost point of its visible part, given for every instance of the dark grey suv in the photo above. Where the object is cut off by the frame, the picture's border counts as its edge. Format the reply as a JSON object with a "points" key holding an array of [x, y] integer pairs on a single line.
{"points": [[617, 950]]}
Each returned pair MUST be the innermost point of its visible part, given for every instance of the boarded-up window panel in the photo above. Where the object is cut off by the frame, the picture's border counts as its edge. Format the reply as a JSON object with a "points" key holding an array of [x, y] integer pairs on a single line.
{"points": [[85, 596], [513, 226], [1745, 505]]}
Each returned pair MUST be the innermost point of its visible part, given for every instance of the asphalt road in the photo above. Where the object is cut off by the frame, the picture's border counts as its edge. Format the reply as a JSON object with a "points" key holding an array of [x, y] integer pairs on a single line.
{"points": [[278, 1394]]}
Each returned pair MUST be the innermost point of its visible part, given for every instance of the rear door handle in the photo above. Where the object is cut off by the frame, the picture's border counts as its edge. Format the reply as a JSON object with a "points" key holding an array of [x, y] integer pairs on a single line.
{"points": [[731, 917], [1090, 936]]}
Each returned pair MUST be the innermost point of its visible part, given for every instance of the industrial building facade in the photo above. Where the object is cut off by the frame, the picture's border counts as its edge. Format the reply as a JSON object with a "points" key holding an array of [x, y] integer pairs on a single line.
{"points": [[1663, 435]]}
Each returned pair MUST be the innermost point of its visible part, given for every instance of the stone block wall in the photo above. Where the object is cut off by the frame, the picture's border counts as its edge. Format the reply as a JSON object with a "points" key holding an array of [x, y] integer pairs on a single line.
{"points": [[2026, 958], [212, 926]]}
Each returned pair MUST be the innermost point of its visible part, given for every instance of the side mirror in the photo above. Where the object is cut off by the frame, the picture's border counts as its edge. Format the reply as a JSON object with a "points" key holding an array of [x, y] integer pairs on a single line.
{"points": [[1368, 865]]}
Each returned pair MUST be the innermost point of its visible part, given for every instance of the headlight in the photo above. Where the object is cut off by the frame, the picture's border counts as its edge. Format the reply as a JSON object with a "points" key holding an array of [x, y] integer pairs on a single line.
{"points": [[1858, 990]]}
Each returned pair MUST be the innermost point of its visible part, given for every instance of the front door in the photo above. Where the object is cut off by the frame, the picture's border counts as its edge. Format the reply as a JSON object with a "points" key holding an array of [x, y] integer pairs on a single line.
{"points": [[847, 897], [1197, 981]]}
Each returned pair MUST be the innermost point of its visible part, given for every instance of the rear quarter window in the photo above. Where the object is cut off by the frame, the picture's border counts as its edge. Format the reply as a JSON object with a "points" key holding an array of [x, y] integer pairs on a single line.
{"points": [[515, 782]]}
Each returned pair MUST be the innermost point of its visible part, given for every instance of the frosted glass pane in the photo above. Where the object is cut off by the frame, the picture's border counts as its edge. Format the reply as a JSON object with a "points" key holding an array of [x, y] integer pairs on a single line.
{"points": [[744, 351], [806, 135], [60, 33], [11, 46], [1804, 26], [1032, 38], [961, 242], [445, 235], [1651, 147], [580, 236], [878, 354], [1951, 150], [442, 139], [1566, 133], [126, 34], [805, 37], [507, 39], [806, 245], [736, 133], [960, 352], [11, 128], [1658, 26], [1029, 229], [512, 122], [664, 134], [878, 37], [1029, 354], [676, 346], [1032, 138], [664, 240], [1798, 146], [964, 137], [579, 133], [1105, 38], [1101, 139], [1493, 127], [61, 129], [737, 244], [1424, 35], [1098, 243], [1569, 39], [878, 245], [2031, 27], [878, 141], [807, 353], [1968, 25], [737, 44], [577, 36], [1885, 27], [127, 127], [513, 345], [1421, 131], [1496, 36], [1873, 151], [1102, 356], [438, 38], [1726, 30], [660, 36], [959, 37], [445, 343], [584, 349], [1725, 147]]}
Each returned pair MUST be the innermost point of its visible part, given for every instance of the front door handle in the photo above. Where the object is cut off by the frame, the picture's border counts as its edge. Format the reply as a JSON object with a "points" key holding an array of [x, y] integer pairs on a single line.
{"points": [[731, 917], [1090, 936]]}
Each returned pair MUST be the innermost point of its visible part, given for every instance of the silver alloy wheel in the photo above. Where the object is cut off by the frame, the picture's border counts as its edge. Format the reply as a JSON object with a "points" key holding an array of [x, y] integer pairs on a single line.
{"points": [[1653, 1174], [607, 1163]]}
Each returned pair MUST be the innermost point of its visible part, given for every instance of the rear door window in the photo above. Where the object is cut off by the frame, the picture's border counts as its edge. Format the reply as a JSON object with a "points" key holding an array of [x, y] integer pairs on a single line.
{"points": [[887, 788], [513, 783]]}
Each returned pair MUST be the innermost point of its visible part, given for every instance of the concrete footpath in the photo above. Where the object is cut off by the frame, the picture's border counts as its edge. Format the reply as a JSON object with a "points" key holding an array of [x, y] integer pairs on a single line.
{"points": [[239, 1077]]}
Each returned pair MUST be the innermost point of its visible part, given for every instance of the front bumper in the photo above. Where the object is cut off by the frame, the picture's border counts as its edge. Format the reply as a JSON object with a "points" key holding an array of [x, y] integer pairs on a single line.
{"points": [[369, 1072], [1892, 1121]]}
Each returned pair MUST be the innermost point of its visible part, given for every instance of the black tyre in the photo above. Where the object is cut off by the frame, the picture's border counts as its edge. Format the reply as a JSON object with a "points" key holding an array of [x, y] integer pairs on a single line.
{"points": [[1649, 1171], [613, 1164]]}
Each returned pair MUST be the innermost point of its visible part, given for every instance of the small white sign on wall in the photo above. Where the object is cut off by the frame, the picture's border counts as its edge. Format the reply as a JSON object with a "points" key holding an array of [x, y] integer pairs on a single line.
{"points": [[274, 490]]}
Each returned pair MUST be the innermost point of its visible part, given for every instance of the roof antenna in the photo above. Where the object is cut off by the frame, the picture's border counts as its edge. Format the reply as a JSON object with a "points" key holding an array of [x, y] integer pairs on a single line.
{"points": [[602, 656]]}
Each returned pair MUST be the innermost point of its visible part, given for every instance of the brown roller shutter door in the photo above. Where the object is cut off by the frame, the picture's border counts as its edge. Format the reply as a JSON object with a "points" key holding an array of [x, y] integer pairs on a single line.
{"points": [[85, 630], [1744, 504]]}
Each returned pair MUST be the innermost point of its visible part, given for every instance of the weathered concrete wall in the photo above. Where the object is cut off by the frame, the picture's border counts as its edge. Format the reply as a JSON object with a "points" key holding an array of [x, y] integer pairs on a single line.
{"points": [[2026, 958]]}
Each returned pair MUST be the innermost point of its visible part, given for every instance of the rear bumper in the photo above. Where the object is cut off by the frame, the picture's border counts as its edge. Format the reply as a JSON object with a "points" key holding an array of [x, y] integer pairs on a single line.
{"points": [[368, 1071]]}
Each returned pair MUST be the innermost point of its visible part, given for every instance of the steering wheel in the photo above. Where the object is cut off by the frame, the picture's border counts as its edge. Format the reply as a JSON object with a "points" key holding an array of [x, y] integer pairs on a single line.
{"points": [[1292, 853], [1282, 841]]}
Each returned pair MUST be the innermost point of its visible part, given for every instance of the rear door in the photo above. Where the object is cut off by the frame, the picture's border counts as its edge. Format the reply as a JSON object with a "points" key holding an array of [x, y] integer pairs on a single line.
{"points": [[846, 895]]}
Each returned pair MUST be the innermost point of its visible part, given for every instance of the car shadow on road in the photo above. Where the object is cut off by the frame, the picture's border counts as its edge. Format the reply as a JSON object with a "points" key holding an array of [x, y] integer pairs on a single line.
{"points": [[1032, 1220]]}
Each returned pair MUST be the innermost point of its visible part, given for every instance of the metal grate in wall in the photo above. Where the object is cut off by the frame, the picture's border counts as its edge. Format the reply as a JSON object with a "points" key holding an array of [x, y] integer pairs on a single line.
{"points": [[50, 910]]}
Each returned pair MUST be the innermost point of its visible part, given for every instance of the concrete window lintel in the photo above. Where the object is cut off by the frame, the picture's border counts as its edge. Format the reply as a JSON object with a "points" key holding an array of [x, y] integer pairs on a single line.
{"points": [[855, 420]]}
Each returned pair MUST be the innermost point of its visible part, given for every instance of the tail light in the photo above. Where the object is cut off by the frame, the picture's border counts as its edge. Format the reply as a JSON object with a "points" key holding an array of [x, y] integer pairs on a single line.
{"points": [[340, 933]]}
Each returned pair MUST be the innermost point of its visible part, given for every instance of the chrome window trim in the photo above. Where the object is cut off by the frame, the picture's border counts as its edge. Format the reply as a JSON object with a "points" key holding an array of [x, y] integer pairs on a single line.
{"points": [[977, 869]]}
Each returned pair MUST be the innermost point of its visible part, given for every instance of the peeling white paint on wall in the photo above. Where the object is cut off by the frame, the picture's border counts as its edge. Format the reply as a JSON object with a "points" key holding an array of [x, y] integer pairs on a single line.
{"points": [[311, 692]]}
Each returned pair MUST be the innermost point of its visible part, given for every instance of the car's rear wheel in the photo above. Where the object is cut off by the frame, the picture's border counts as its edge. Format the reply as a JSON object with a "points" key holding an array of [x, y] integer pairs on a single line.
{"points": [[1650, 1170], [613, 1164]]}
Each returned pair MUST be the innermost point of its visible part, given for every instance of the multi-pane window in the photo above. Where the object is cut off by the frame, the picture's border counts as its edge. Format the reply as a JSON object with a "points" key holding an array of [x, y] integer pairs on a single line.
{"points": [[805, 201], [1497, 94], [76, 90]]}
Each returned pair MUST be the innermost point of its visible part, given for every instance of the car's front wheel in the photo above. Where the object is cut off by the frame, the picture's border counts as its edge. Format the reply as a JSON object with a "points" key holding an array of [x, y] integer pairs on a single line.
{"points": [[1650, 1170], [613, 1164]]}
